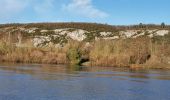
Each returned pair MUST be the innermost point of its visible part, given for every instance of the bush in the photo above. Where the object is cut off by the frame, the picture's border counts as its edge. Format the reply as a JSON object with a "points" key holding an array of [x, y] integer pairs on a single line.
{"points": [[74, 56]]}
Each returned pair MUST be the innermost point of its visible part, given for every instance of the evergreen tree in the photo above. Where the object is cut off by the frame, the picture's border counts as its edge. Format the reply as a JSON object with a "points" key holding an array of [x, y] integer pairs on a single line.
{"points": [[162, 25]]}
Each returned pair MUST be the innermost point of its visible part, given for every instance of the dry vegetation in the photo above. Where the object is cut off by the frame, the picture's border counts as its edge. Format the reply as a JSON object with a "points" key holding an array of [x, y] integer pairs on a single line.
{"points": [[88, 26], [9, 53], [140, 52]]}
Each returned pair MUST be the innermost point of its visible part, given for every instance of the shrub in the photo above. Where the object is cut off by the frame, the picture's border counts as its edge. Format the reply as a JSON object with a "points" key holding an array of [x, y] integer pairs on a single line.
{"points": [[74, 56]]}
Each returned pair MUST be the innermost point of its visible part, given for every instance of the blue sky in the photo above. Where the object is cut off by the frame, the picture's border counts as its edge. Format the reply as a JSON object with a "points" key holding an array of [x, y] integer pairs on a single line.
{"points": [[115, 12]]}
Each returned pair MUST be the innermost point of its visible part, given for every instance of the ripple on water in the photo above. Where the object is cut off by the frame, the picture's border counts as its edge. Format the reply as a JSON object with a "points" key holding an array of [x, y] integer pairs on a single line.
{"points": [[55, 82]]}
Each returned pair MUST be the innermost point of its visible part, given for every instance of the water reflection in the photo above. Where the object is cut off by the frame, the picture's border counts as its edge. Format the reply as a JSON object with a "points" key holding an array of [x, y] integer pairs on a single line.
{"points": [[59, 72], [61, 82]]}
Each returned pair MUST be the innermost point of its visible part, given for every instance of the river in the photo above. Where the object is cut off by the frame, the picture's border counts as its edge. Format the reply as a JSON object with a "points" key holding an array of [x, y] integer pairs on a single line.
{"points": [[60, 82]]}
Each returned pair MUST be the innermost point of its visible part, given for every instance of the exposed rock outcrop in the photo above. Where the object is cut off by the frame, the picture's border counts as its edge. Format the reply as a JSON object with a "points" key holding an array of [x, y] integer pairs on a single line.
{"points": [[44, 37]]}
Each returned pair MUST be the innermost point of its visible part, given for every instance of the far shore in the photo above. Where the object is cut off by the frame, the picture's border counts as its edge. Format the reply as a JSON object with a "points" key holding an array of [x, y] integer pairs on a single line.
{"points": [[90, 44], [136, 53]]}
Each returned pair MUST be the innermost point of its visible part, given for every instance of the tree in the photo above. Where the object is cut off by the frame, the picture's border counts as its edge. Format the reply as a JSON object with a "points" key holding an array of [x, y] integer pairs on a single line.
{"points": [[162, 25], [140, 25]]}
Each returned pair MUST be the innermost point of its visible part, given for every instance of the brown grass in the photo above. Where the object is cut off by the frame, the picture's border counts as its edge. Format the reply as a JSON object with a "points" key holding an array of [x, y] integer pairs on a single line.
{"points": [[9, 53], [136, 52], [128, 52]]}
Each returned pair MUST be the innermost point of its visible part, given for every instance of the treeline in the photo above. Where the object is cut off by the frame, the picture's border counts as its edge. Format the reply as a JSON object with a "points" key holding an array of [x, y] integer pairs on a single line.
{"points": [[88, 26]]}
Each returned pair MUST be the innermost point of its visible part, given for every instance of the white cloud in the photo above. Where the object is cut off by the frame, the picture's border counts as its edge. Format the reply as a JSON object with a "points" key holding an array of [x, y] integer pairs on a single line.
{"points": [[10, 7], [84, 8]]}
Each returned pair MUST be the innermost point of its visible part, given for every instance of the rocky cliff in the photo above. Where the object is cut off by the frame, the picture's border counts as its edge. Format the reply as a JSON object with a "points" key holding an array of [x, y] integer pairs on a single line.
{"points": [[42, 36]]}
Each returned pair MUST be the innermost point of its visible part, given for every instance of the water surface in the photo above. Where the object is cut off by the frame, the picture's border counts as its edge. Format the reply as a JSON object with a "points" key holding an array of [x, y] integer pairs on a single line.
{"points": [[59, 82]]}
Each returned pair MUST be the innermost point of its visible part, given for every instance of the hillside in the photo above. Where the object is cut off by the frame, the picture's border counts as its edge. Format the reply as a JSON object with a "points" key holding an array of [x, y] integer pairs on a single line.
{"points": [[42, 34], [101, 45]]}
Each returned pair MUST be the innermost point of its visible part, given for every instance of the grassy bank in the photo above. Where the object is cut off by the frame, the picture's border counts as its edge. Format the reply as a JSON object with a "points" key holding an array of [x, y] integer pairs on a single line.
{"points": [[141, 52], [69, 54], [9, 53]]}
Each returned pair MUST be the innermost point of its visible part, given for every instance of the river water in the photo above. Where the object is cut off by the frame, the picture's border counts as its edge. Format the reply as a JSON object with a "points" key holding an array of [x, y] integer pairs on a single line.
{"points": [[59, 82]]}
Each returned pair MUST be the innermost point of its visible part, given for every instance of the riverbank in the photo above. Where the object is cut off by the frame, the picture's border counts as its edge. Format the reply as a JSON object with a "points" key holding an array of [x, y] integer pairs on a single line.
{"points": [[141, 52]]}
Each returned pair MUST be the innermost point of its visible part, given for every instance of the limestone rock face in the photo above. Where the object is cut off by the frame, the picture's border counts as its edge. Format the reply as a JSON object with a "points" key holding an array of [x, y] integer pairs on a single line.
{"points": [[162, 32], [78, 35], [60, 36], [40, 40]]}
